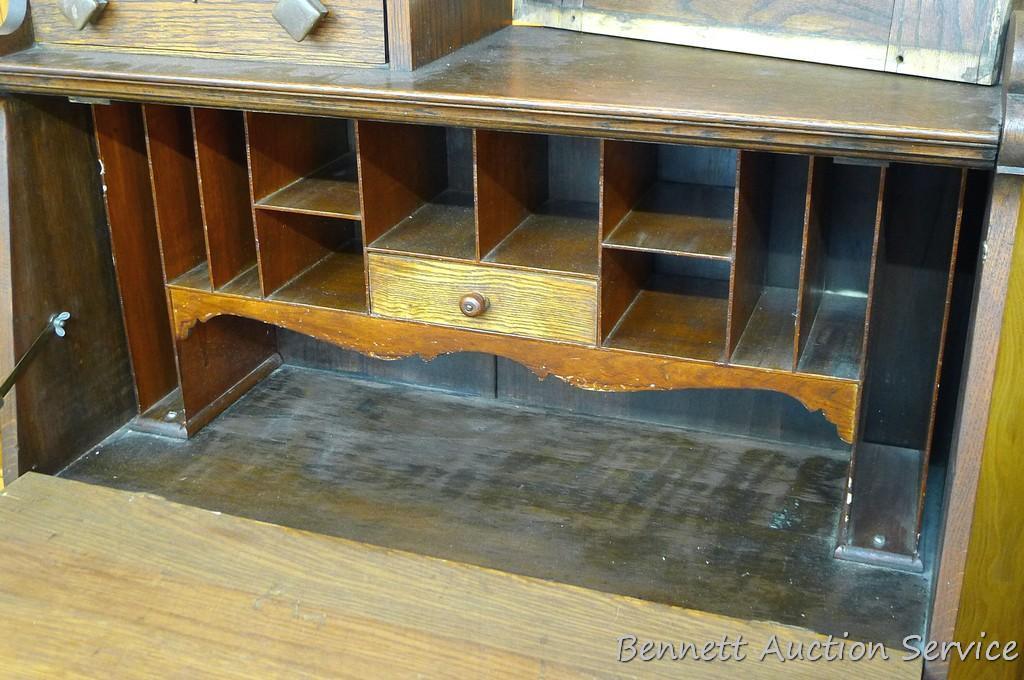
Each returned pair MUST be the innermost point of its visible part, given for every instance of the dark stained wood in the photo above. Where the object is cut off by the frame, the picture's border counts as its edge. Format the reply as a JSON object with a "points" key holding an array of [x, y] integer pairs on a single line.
{"points": [[767, 340], [511, 172], [400, 168], [335, 282], [59, 260], [835, 341], [220, 360], [601, 87], [749, 242], [561, 236], [607, 507], [676, 316], [175, 183], [620, 370], [623, 274], [683, 219], [224, 193], [420, 31], [290, 243], [627, 170], [121, 143], [443, 227], [285, 149], [330, 192], [812, 257]]}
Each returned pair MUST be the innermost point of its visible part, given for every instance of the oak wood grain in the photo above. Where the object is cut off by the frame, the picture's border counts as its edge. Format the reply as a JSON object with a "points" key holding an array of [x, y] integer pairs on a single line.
{"points": [[519, 302], [191, 588], [352, 31]]}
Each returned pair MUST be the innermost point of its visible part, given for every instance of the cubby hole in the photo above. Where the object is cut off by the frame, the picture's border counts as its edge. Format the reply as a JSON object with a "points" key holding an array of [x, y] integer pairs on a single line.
{"points": [[664, 304], [669, 198], [418, 189], [766, 273], [311, 260], [538, 201], [838, 257], [303, 164], [175, 187]]}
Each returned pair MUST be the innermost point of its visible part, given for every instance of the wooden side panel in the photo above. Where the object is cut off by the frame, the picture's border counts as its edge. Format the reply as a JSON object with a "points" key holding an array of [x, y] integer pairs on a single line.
{"points": [[993, 582], [947, 39], [511, 181], [283, 149], [420, 31], [220, 360], [750, 242], [224, 193], [396, 172], [290, 243], [120, 136], [812, 257], [352, 32], [60, 261], [175, 184], [627, 170]]}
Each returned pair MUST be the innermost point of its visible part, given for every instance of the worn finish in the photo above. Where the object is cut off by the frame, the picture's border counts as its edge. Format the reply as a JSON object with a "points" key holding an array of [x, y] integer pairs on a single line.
{"points": [[730, 100], [518, 303], [949, 40], [60, 261], [184, 586], [624, 507], [620, 370], [351, 33]]}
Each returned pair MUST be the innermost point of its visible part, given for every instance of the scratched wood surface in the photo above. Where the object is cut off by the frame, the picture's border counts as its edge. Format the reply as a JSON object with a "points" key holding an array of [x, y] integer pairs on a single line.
{"points": [[949, 39], [123, 584], [727, 525], [352, 32]]}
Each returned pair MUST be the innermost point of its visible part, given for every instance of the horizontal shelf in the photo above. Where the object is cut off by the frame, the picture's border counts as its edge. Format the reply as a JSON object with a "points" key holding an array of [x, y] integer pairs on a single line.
{"points": [[767, 341], [444, 227], [680, 219], [246, 284], [676, 316], [836, 340], [336, 282], [560, 237], [332, 191]]}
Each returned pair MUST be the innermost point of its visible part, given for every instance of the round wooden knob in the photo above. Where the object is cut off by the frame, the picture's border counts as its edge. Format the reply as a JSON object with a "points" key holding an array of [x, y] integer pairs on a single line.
{"points": [[473, 304]]}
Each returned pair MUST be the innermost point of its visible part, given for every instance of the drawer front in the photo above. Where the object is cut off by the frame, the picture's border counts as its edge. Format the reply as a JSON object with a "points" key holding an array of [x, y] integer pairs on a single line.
{"points": [[352, 32], [518, 303]]}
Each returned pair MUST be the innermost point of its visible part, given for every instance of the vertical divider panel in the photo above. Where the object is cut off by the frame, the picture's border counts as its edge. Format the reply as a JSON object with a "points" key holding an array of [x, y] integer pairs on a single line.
{"points": [[175, 188], [812, 255], [510, 173], [395, 172], [627, 170], [224, 193], [121, 142], [750, 242]]}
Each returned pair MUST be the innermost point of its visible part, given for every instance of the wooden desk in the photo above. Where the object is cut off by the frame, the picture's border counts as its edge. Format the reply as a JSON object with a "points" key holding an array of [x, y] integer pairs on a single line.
{"points": [[129, 585]]}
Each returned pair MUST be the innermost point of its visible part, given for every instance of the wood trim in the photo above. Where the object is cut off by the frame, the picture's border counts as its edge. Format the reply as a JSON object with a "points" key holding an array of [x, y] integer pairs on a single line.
{"points": [[420, 31], [621, 370], [492, 84], [8, 413]]}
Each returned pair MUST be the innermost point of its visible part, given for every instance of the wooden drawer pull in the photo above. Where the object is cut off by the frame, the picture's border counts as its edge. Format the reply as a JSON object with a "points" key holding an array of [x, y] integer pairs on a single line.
{"points": [[473, 304], [299, 17]]}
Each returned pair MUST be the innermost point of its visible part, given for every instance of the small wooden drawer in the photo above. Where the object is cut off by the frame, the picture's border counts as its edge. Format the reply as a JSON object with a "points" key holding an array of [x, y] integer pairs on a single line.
{"points": [[515, 302], [352, 32]]}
